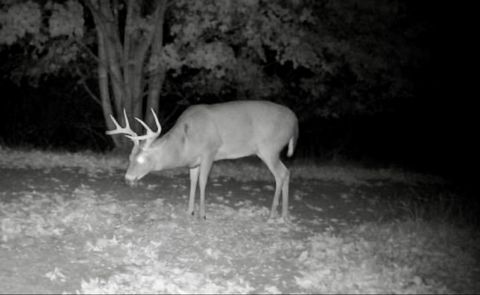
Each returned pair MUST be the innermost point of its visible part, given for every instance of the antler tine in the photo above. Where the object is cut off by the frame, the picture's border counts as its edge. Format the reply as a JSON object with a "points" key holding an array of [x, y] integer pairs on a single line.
{"points": [[123, 130], [127, 124], [150, 131], [151, 135], [159, 127], [117, 127]]}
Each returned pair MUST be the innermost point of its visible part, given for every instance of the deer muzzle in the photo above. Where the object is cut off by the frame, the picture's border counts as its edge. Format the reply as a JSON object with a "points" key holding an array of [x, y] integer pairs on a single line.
{"points": [[132, 182]]}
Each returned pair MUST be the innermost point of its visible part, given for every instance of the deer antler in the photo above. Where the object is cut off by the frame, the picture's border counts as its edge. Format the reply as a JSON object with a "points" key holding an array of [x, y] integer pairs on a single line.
{"points": [[123, 130], [149, 137]]}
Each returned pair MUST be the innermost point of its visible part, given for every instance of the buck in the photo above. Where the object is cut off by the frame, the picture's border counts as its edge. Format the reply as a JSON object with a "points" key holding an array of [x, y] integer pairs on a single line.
{"points": [[207, 133]]}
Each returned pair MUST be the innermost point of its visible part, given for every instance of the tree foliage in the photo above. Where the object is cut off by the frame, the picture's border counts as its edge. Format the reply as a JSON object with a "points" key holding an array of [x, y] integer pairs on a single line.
{"points": [[327, 58], [40, 47]]}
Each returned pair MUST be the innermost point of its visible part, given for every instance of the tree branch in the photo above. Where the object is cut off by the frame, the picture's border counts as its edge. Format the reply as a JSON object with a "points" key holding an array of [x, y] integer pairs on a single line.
{"points": [[87, 88], [97, 59]]}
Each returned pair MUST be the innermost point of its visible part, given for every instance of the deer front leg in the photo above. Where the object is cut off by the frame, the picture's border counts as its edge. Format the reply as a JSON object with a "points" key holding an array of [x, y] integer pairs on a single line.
{"points": [[204, 171], [193, 186]]}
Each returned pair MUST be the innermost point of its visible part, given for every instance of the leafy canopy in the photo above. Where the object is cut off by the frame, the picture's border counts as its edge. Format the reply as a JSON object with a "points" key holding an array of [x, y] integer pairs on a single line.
{"points": [[328, 57]]}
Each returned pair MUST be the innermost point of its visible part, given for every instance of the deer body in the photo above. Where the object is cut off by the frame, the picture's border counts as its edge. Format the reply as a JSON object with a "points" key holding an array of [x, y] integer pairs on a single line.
{"points": [[207, 133]]}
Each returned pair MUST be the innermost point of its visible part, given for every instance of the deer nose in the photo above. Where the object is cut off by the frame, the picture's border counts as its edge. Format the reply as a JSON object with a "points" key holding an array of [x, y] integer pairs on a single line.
{"points": [[132, 182]]}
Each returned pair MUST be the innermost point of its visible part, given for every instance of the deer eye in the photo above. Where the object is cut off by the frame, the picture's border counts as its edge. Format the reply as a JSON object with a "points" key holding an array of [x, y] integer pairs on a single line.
{"points": [[140, 159]]}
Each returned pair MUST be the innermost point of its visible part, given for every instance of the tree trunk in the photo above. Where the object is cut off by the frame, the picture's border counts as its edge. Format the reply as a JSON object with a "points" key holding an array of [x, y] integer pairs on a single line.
{"points": [[104, 88], [121, 70], [156, 67]]}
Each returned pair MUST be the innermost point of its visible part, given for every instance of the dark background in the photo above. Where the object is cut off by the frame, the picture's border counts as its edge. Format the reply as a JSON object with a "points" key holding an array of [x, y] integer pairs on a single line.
{"points": [[432, 132]]}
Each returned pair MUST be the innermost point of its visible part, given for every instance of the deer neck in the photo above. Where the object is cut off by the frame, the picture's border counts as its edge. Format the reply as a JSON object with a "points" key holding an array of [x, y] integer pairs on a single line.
{"points": [[168, 151]]}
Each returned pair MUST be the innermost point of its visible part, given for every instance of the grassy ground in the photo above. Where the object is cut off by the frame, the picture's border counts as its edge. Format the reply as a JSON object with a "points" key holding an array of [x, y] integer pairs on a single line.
{"points": [[69, 224], [249, 170]]}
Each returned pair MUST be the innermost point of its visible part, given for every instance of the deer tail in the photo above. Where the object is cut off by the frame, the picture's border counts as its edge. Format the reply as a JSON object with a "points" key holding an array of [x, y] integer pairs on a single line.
{"points": [[292, 142]]}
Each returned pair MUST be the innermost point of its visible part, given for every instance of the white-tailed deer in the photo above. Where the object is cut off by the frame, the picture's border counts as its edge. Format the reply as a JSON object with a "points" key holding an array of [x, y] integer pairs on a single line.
{"points": [[207, 133]]}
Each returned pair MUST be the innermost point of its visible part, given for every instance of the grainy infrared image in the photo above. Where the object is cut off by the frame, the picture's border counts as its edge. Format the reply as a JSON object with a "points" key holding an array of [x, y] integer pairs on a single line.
{"points": [[250, 146]]}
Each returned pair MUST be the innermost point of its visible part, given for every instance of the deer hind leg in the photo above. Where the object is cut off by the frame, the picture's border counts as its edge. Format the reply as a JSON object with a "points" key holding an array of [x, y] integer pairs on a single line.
{"points": [[286, 182], [193, 186], [282, 175]]}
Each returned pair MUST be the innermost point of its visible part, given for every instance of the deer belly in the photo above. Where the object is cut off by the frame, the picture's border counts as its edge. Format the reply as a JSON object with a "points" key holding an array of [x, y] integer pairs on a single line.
{"points": [[234, 152]]}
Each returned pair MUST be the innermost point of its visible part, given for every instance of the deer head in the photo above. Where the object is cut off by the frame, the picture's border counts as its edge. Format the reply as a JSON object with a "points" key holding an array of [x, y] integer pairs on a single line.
{"points": [[140, 160]]}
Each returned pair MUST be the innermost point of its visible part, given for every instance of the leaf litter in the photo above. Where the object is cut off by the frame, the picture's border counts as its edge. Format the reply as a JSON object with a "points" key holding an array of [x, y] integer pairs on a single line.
{"points": [[104, 245]]}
